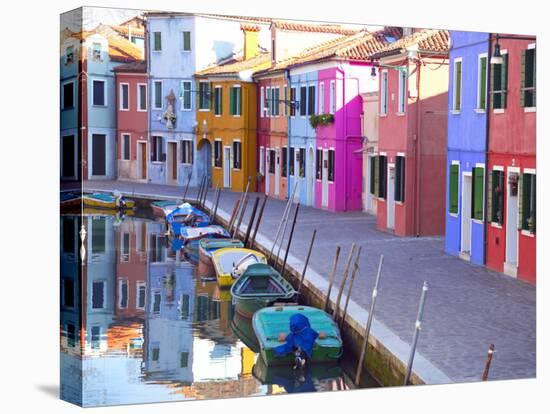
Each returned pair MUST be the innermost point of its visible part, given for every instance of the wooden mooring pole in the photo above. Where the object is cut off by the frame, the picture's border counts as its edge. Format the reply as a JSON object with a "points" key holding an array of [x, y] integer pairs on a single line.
{"points": [[206, 187], [199, 195], [355, 270], [417, 328], [187, 185], [241, 215], [365, 344], [331, 278], [490, 353], [215, 210], [260, 215], [307, 260], [286, 212], [290, 239], [251, 221], [344, 279], [233, 214]]}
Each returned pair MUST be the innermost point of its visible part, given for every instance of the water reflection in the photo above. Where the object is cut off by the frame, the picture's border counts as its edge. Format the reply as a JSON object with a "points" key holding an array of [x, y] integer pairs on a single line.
{"points": [[150, 328]]}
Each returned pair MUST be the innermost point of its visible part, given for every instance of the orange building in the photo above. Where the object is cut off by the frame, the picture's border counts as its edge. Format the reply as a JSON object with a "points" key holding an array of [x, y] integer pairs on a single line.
{"points": [[226, 114]]}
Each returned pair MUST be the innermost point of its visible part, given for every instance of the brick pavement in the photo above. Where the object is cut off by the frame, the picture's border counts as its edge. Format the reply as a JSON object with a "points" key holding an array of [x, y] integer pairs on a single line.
{"points": [[467, 307]]}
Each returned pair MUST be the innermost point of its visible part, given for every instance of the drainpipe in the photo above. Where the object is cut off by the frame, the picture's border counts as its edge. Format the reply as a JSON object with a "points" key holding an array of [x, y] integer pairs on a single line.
{"points": [[147, 55], [418, 147], [288, 123], [487, 124]]}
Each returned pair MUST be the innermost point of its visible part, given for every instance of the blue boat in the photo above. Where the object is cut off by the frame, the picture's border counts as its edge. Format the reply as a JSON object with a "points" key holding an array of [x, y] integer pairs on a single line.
{"points": [[185, 215]]}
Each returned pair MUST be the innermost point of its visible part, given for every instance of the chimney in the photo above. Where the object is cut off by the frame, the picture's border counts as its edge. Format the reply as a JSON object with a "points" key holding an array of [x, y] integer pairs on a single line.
{"points": [[251, 48]]}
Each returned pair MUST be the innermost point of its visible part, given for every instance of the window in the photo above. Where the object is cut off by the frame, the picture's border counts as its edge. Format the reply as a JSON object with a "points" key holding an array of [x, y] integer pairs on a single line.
{"points": [[142, 97], [158, 148], [332, 98], [292, 101], [285, 103], [184, 307], [237, 155], [499, 76], [157, 41], [384, 93], [95, 337], [141, 295], [184, 359], [478, 193], [218, 153], [322, 98], [453, 188], [303, 97], [402, 93], [528, 78], [186, 95], [331, 165], [123, 294], [262, 160], [380, 164], [400, 179], [311, 100], [319, 164], [98, 295], [482, 82], [272, 161], [187, 41], [69, 55], [68, 96], [124, 97], [302, 162], [96, 51], [125, 251], [268, 101], [262, 102], [98, 235], [158, 94], [373, 175], [68, 293], [276, 101], [291, 162], [125, 146], [187, 152], [156, 302], [496, 200], [204, 96], [98, 92], [218, 100], [235, 101], [155, 354], [284, 162], [528, 202], [457, 85]]}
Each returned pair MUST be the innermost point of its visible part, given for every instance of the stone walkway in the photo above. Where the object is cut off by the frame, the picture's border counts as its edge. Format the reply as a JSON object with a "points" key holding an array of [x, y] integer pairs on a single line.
{"points": [[467, 308]]}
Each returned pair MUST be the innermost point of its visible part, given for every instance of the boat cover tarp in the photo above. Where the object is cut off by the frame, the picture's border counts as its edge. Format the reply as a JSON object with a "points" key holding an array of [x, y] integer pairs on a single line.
{"points": [[301, 336]]}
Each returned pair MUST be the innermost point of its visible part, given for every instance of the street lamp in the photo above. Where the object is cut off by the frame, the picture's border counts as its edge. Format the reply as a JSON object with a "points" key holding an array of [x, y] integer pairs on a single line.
{"points": [[496, 59]]}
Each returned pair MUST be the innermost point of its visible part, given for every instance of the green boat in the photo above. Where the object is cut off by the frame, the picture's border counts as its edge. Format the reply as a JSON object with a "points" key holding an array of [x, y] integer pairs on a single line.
{"points": [[269, 323], [259, 286]]}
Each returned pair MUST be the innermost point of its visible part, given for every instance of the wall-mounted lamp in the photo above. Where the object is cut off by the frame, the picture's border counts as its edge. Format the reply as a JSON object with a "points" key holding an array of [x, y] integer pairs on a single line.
{"points": [[496, 59], [373, 72]]}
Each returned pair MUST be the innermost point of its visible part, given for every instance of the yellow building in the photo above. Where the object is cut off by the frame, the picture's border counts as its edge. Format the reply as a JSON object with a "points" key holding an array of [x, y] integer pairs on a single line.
{"points": [[227, 114]]}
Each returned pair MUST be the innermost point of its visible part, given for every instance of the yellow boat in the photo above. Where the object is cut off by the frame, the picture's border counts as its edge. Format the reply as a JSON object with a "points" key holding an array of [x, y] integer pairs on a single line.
{"points": [[231, 262]]}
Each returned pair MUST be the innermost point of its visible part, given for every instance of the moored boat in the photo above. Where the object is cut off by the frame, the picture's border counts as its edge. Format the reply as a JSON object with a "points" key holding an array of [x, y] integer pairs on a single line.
{"points": [[272, 323], [229, 263], [107, 201], [207, 246], [185, 215], [193, 234], [162, 208], [259, 286]]}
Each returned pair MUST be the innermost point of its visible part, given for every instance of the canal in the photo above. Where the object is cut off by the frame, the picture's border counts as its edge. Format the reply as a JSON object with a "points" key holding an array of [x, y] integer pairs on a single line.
{"points": [[139, 324]]}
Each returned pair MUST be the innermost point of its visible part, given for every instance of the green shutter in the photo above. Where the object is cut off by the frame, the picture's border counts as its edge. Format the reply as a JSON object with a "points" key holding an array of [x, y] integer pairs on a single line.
{"points": [[458, 85], [453, 189], [372, 175], [490, 196], [232, 101], [478, 178], [522, 77], [520, 204], [504, 80], [525, 200], [186, 40], [239, 101], [534, 206], [483, 89], [377, 176]]}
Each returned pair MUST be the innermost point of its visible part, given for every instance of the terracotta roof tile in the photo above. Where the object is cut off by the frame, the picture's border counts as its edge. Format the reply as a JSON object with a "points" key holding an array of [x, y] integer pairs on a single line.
{"points": [[250, 27], [238, 64], [123, 31], [427, 40], [312, 27]]}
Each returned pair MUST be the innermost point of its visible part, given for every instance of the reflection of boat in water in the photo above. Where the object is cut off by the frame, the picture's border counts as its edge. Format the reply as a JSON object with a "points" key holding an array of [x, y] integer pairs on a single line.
{"points": [[296, 380], [258, 287], [269, 323], [242, 327]]}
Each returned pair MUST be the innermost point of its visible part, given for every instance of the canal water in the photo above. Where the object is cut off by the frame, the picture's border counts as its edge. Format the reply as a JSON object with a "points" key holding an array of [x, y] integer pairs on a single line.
{"points": [[152, 330]]}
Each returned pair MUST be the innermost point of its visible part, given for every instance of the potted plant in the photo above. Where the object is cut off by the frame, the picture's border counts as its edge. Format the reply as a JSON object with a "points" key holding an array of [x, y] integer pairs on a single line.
{"points": [[321, 120], [259, 177]]}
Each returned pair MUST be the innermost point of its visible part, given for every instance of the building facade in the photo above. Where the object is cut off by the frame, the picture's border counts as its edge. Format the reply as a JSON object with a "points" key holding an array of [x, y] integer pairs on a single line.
{"points": [[467, 138], [409, 174], [511, 231], [131, 106], [369, 119]]}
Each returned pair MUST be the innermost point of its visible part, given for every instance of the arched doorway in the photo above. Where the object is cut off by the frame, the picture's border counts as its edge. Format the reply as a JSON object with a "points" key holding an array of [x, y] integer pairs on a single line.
{"points": [[203, 161]]}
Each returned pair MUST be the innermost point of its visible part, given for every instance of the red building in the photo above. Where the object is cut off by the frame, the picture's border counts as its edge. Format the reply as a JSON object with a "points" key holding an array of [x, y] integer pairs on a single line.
{"points": [[511, 232], [408, 178], [131, 121]]}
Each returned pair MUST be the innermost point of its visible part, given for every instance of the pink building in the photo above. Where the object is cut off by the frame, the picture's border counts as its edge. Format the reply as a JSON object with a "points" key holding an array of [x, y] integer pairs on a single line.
{"points": [[410, 169]]}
